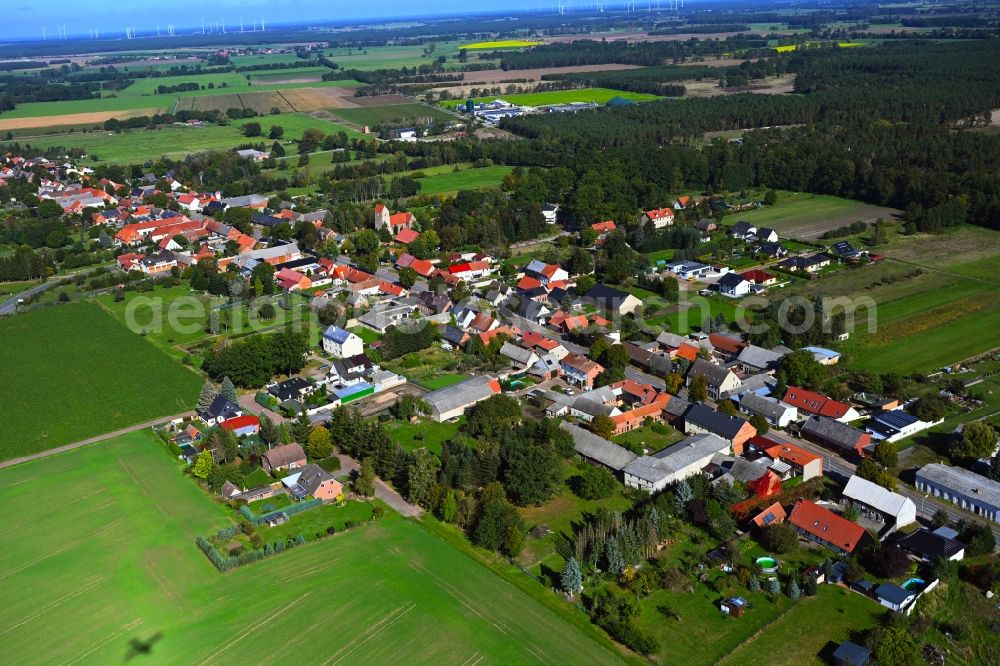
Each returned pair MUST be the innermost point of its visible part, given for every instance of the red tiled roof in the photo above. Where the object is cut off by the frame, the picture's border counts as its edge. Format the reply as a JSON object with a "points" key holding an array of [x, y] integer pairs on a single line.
{"points": [[660, 213], [528, 282], [784, 451], [826, 525], [776, 511], [686, 351], [758, 276], [240, 422], [815, 403], [407, 236], [726, 343]]}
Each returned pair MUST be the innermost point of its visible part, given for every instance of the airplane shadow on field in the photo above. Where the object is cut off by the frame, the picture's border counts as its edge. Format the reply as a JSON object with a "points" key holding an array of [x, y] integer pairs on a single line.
{"points": [[138, 646]]}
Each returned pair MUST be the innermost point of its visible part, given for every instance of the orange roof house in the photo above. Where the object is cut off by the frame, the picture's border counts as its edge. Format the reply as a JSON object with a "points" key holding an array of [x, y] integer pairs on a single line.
{"points": [[827, 528], [772, 515], [407, 236], [604, 227], [660, 217]]}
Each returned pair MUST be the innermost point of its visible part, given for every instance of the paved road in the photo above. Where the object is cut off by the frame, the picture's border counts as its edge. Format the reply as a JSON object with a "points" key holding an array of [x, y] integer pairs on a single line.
{"points": [[927, 505], [382, 490], [9, 306], [93, 440]]}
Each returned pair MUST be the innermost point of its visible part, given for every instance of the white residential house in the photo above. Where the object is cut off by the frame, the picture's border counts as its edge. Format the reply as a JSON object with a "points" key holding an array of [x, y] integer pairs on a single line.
{"points": [[734, 285], [341, 343]]}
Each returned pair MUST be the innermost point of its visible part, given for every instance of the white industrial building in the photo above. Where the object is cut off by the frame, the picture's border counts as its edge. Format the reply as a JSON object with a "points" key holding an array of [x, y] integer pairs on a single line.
{"points": [[968, 490]]}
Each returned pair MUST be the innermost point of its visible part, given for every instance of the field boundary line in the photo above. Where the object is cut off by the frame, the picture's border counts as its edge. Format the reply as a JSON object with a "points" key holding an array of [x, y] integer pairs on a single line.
{"points": [[55, 604], [93, 440], [132, 625], [290, 105], [72, 544], [374, 630], [256, 625]]}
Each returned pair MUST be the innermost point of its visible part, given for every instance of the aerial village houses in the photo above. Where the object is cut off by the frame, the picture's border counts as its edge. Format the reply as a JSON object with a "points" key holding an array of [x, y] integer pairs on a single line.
{"points": [[683, 459], [880, 505], [452, 401], [287, 456], [973, 492], [827, 528], [701, 418], [659, 217], [394, 223], [836, 435]]}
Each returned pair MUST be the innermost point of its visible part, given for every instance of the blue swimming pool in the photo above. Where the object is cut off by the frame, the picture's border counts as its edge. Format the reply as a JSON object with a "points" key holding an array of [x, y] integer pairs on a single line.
{"points": [[914, 584]]}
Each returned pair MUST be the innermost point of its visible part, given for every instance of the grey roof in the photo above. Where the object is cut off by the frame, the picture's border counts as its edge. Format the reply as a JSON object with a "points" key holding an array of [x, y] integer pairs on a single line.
{"points": [[758, 357], [677, 457], [962, 481], [677, 406], [754, 383], [831, 431], [247, 200], [893, 593], [731, 280], [518, 354], [462, 394], [877, 497], [668, 339], [715, 374], [767, 407], [589, 445], [593, 406], [744, 470], [310, 478], [851, 654], [715, 422]]}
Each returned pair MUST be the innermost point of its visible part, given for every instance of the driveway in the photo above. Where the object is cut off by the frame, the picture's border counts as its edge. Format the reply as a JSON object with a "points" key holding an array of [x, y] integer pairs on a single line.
{"points": [[347, 464]]}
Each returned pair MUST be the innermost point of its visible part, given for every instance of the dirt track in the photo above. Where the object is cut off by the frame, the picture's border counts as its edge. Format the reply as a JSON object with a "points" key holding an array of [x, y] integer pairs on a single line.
{"points": [[93, 118]]}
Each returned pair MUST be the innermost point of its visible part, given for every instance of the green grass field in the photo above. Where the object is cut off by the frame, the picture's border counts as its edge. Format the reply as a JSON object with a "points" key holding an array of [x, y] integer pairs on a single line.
{"points": [[139, 145], [72, 372], [149, 86], [423, 434], [921, 321], [466, 179], [293, 73], [103, 538], [391, 113], [598, 95], [807, 216], [389, 57], [809, 628]]}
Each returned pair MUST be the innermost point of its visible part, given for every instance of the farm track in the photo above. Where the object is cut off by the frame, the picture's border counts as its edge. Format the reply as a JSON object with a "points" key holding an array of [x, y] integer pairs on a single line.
{"points": [[290, 105], [92, 440]]}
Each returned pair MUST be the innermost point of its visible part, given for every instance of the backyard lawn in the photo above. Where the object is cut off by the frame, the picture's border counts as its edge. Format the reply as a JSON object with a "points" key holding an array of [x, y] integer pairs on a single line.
{"points": [[117, 563], [71, 372], [647, 437], [423, 434]]}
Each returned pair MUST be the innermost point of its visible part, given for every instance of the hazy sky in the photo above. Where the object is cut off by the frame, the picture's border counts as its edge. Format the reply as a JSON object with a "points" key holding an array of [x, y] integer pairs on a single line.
{"points": [[25, 18]]}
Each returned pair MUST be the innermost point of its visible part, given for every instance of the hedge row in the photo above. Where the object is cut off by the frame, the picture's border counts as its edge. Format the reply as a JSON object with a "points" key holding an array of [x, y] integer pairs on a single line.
{"points": [[248, 513], [227, 563]]}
